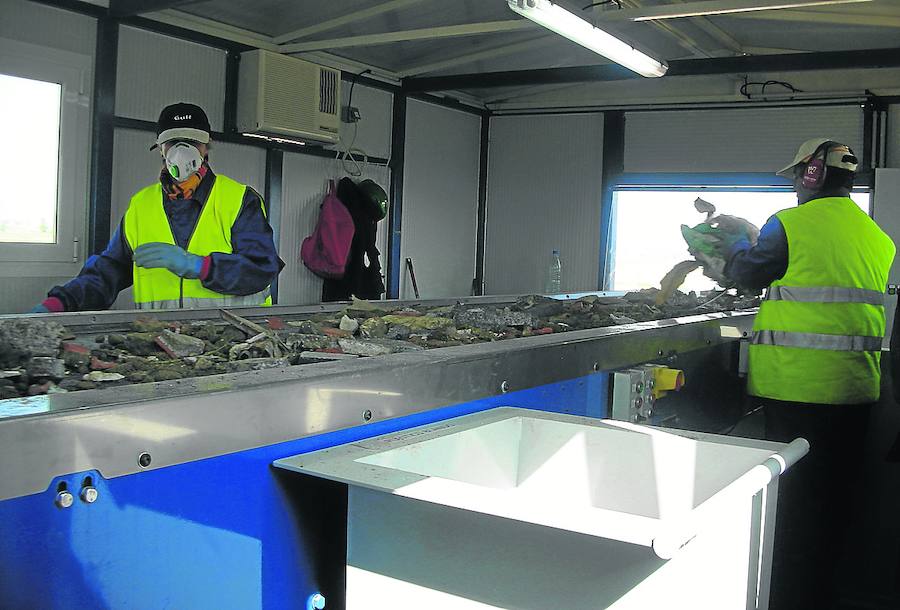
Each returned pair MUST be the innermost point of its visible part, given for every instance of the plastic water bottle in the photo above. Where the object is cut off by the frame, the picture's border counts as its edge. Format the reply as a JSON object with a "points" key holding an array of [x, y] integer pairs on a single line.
{"points": [[554, 275]]}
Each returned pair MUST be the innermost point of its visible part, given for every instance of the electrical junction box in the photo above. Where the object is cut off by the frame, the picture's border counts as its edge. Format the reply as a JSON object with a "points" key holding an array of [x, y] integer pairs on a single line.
{"points": [[636, 390]]}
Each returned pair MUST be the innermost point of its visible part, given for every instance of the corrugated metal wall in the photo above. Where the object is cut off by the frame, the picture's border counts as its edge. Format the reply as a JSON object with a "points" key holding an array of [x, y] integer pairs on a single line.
{"points": [[732, 140], [543, 194], [305, 182], [440, 200], [155, 70], [26, 285]]}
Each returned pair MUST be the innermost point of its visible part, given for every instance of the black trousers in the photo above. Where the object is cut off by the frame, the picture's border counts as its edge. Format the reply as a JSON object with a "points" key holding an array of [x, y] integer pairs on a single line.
{"points": [[815, 499]]}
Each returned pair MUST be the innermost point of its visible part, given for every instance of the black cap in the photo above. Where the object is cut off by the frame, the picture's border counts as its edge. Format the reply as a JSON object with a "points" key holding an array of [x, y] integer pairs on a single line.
{"points": [[182, 121]]}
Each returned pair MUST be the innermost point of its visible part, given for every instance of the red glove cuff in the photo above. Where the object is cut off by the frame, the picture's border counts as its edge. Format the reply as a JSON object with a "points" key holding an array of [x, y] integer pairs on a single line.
{"points": [[54, 305], [205, 267]]}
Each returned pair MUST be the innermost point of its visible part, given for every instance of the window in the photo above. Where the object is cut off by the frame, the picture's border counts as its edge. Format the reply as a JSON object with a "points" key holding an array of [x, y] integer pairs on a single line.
{"points": [[647, 239], [45, 121], [29, 160]]}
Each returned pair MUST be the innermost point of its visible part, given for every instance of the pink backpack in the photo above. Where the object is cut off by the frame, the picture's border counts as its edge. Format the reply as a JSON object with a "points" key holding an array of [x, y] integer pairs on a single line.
{"points": [[327, 250]]}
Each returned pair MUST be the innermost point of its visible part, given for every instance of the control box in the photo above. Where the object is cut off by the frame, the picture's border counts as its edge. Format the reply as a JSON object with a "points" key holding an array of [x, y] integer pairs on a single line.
{"points": [[636, 390], [633, 394]]}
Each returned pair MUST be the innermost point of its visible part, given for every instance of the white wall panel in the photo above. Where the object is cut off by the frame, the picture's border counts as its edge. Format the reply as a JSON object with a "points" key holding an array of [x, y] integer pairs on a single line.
{"points": [[887, 215], [156, 70], [20, 294], [544, 193], [373, 132], [134, 167], [893, 137], [246, 164], [732, 140], [47, 27], [440, 200], [304, 184]]}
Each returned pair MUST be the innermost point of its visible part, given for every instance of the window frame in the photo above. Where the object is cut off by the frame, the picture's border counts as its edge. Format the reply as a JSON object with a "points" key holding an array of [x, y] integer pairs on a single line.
{"points": [[73, 72], [717, 182]]}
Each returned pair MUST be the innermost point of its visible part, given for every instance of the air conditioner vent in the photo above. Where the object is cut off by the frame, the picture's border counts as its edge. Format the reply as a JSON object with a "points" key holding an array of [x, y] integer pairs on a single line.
{"points": [[328, 87]]}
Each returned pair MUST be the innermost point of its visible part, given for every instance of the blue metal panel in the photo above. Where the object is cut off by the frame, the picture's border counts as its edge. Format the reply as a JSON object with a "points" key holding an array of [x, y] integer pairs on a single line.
{"points": [[218, 533], [694, 181]]}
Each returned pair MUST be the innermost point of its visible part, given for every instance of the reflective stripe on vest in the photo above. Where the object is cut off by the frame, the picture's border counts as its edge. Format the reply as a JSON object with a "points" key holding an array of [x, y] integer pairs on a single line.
{"points": [[836, 343], [824, 294], [251, 300]]}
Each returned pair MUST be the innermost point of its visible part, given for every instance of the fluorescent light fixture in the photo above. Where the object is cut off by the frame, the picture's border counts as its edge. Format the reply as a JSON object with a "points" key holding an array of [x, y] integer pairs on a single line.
{"points": [[727, 7], [566, 24]]}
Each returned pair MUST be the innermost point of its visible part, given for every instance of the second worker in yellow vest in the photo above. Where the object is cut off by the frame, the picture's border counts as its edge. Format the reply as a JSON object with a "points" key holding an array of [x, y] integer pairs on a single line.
{"points": [[814, 358], [193, 239]]}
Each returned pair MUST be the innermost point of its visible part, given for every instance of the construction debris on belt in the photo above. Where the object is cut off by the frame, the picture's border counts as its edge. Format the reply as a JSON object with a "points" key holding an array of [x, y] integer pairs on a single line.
{"points": [[43, 357]]}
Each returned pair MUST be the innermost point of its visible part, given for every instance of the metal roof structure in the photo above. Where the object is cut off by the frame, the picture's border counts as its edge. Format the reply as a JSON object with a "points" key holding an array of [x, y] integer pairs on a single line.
{"points": [[408, 39]]}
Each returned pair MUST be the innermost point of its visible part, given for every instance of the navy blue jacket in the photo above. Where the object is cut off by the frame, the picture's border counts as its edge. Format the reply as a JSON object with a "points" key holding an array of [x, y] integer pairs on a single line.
{"points": [[758, 266], [253, 265]]}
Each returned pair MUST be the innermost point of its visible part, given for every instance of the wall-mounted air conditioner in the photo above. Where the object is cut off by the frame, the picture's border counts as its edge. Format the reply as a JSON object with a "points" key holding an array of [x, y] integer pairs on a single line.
{"points": [[286, 97]]}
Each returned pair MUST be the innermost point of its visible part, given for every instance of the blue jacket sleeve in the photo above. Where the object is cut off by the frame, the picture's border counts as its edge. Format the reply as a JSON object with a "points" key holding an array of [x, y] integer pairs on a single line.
{"points": [[101, 279], [756, 267], [253, 264]]}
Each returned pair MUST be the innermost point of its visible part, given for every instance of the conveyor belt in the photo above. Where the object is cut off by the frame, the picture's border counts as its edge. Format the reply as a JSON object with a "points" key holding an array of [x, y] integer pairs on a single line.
{"points": [[190, 419]]}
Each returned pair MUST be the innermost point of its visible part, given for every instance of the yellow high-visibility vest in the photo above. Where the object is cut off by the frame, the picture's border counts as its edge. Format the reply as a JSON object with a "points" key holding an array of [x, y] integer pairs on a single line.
{"points": [[818, 335], [146, 222]]}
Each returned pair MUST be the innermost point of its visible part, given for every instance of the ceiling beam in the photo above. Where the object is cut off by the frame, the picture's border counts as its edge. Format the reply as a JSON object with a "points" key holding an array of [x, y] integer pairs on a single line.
{"points": [[712, 7], [354, 17], [793, 62], [831, 17], [130, 8], [468, 58], [450, 31], [686, 41], [256, 40], [774, 50], [214, 28], [725, 38]]}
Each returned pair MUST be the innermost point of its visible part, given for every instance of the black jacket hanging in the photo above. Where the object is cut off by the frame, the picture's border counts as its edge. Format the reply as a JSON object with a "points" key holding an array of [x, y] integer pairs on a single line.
{"points": [[363, 277]]}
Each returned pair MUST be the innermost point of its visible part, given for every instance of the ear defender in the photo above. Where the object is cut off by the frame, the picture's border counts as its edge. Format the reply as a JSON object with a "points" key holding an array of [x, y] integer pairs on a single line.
{"points": [[816, 168]]}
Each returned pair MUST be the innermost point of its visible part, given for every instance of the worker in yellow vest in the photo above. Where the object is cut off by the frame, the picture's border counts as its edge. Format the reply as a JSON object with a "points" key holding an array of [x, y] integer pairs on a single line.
{"points": [[193, 239], [814, 358]]}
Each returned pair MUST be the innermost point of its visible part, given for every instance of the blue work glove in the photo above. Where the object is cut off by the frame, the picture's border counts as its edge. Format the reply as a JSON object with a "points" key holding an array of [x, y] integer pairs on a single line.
{"points": [[39, 309], [158, 255]]}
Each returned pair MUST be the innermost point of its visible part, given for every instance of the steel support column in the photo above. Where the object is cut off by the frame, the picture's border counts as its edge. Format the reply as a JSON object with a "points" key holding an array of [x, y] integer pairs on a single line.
{"points": [[102, 134], [232, 67], [613, 166], [868, 136], [274, 172], [481, 226], [395, 214]]}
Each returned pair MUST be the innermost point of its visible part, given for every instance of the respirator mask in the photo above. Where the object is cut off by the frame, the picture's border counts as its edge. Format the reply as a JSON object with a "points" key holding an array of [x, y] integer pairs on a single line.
{"points": [[182, 161]]}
